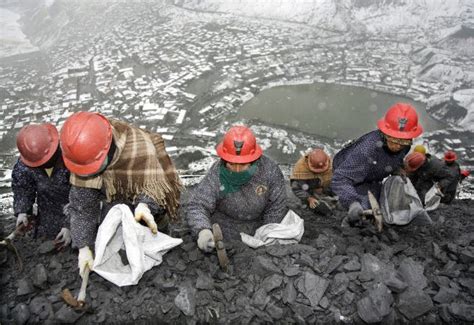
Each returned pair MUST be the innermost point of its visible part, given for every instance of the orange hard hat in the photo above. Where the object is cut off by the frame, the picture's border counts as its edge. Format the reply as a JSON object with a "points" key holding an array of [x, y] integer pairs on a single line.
{"points": [[85, 141], [239, 146], [400, 121], [37, 143], [318, 161], [450, 156], [413, 161]]}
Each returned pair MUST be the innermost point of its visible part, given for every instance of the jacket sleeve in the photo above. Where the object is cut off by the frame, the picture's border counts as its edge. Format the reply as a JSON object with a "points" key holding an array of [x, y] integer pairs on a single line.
{"points": [[297, 188], [84, 212], [352, 171], [276, 207], [444, 176], [24, 189], [202, 201]]}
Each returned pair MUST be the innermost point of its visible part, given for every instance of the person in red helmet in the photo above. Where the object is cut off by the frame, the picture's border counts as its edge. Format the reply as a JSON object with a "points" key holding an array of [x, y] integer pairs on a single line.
{"points": [[450, 159], [362, 164], [241, 192], [310, 180], [426, 170], [40, 175], [112, 162]]}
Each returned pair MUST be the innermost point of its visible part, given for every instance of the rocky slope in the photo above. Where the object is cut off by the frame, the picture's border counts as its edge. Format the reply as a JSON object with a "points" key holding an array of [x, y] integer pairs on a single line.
{"points": [[335, 275]]}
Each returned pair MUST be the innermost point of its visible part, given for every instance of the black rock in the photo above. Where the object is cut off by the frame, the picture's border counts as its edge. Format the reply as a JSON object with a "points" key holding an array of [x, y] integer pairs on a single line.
{"points": [[395, 282], [324, 302], [462, 311], [334, 263], [186, 301], [313, 287], [376, 305], [21, 313], [291, 270], [272, 282], [468, 284], [348, 297], [392, 235], [204, 282], [412, 273], [413, 303], [352, 265], [339, 284], [41, 307], [301, 310], [467, 255], [40, 276], [260, 299], [262, 265], [274, 311], [24, 287], [47, 247], [68, 315], [371, 268], [445, 295], [289, 293]]}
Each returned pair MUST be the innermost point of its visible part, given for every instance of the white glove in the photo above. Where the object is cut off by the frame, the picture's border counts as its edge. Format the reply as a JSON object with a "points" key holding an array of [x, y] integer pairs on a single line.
{"points": [[142, 212], [22, 219], [85, 260], [206, 240], [63, 238]]}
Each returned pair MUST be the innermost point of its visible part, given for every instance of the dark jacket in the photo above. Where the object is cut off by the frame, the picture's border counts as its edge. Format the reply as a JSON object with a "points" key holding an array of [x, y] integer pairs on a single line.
{"points": [[51, 195], [261, 201], [450, 190], [432, 171], [361, 166]]}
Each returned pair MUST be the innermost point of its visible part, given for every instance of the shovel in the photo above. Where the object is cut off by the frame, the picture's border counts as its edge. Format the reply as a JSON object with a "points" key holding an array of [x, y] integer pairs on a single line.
{"points": [[374, 213], [8, 243], [80, 302], [220, 248]]}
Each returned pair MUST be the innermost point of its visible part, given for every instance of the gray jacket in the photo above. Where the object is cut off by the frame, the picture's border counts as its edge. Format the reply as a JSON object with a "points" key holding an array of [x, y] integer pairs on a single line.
{"points": [[261, 201]]}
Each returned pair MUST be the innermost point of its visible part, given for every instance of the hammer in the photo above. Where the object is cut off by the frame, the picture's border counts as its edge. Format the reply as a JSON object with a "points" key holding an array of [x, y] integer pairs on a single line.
{"points": [[80, 302]]}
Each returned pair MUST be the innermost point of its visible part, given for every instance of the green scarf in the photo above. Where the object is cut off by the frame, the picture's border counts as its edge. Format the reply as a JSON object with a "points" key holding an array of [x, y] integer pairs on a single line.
{"points": [[231, 182]]}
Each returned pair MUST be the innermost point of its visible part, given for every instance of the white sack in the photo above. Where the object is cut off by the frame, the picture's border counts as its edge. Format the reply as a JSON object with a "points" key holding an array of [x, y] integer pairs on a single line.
{"points": [[119, 230], [432, 198], [288, 231]]}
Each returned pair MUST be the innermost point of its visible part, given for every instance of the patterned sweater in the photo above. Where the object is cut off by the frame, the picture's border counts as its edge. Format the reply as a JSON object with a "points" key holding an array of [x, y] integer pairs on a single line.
{"points": [[51, 195], [261, 201]]}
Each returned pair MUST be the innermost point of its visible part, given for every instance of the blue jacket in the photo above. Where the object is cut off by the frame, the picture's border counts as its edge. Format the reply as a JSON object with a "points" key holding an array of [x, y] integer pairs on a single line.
{"points": [[51, 195], [361, 166]]}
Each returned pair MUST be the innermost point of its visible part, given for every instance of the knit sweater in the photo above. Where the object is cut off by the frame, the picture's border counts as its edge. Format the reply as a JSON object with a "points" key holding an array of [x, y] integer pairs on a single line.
{"points": [[261, 201], [51, 195]]}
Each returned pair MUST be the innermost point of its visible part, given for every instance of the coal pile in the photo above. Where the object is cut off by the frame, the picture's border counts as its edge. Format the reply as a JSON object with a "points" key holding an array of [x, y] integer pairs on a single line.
{"points": [[335, 275]]}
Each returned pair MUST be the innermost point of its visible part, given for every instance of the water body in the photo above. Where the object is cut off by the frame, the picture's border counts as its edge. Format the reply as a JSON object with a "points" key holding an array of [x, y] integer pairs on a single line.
{"points": [[329, 110], [12, 39]]}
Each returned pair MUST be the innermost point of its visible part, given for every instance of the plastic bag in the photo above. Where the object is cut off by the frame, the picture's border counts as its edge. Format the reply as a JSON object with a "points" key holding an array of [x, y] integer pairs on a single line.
{"points": [[400, 203], [143, 250], [288, 231]]}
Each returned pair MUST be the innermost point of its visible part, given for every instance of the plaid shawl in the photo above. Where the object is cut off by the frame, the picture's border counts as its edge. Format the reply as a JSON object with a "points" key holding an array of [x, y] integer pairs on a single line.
{"points": [[140, 166], [301, 171]]}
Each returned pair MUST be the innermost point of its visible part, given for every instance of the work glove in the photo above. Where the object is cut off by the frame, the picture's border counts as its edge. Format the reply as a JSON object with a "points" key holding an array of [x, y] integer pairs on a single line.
{"points": [[22, 219], [142, 212], [63, 239], [313, 202], [355, 212], [85, 260], [206, 240]]}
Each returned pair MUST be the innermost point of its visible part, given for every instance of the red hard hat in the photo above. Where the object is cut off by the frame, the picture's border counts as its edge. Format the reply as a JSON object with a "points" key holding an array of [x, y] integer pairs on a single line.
{"points": [[37, 143], [85, 141], [413, 161], [239, 146], [318, 161], [400, 121], [450, 156]]}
